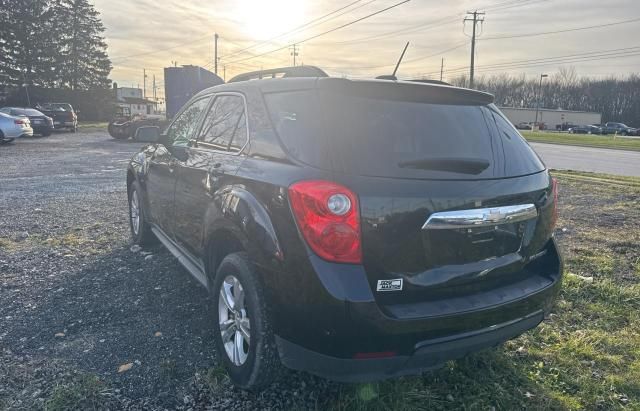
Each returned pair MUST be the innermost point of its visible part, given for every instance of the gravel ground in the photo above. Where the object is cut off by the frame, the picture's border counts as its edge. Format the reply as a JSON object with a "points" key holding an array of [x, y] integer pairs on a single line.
{"points": [[86, 322]]}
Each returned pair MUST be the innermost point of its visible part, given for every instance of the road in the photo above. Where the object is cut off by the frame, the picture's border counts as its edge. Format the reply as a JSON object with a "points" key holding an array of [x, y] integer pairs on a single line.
{"points": [[597, 160]]}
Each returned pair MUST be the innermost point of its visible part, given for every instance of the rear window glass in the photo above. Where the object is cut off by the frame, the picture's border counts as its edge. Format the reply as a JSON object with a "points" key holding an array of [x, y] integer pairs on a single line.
{"points": [[394, 138], [26, 112]]}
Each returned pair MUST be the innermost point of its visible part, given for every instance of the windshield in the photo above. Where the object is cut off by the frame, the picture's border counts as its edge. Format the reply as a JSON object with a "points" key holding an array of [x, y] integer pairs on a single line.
{"points": [[394, 138]]}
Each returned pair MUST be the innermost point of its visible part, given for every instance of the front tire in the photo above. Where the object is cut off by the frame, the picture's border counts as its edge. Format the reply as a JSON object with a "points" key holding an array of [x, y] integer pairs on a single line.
{"points": [[243, 332], [140, 229]]}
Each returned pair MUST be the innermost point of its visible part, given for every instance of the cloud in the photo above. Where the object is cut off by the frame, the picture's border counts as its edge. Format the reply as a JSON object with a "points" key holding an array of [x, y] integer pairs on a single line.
{"points": [[152, 33]]}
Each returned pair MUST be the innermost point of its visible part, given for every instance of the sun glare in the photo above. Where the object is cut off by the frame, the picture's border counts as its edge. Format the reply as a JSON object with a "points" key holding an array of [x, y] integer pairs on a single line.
{"points": [[265, 19]]}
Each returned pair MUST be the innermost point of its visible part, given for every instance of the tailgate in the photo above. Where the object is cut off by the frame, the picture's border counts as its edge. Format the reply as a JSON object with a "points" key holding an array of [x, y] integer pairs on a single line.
{"points": [[450, 238]]}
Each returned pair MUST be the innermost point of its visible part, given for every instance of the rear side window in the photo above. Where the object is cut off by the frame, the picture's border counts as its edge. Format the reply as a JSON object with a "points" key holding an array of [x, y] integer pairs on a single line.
{"points": [[395, 138], [26, 112], [225, 126]]}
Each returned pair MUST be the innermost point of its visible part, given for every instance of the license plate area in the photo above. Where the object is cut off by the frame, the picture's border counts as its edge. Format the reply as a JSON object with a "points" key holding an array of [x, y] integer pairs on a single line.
{"points": [[466, 236]]}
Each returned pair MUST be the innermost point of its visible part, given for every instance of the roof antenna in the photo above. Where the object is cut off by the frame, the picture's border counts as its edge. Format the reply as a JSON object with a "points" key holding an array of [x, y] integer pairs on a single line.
{"points": [[393, 75]]}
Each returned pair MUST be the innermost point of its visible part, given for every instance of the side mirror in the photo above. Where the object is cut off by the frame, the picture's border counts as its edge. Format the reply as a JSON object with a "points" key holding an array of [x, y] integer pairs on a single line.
{"points": [[147, 134]]}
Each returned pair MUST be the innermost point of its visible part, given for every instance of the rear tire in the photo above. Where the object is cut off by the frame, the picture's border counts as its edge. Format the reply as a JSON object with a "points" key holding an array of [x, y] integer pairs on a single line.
{"points": [[256, 363], [140, 229]]}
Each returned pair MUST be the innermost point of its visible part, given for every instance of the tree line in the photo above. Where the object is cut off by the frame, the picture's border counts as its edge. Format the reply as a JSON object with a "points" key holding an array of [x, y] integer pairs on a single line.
{"points": [[618, 99], [52, 44]]}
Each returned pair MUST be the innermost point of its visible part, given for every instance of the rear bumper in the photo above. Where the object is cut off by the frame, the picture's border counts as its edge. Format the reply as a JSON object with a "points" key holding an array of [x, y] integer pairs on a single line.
{"points": [[428, 354], [42, 128], [64, 124], [16, 132], [326, 331]]}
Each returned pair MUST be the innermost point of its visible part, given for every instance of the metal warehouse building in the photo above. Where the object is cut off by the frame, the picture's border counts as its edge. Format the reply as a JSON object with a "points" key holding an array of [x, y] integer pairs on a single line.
{"points": [[551, 118]]}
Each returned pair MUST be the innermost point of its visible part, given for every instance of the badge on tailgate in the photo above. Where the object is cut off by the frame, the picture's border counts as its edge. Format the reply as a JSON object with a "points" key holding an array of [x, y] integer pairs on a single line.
{"points": [[390, 285]]}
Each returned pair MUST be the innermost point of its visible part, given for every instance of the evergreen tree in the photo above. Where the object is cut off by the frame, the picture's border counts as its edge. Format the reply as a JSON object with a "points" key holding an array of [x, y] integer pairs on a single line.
{"points": [[25, 45], [52, 43], [82, 57]]}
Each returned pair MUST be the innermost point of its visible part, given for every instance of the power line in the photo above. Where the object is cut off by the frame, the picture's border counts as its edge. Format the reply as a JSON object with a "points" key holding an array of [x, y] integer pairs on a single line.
{"points": [[441, 52], [453, 18], [544, 33], [325, 32], [569, 58], [308, 24], [197, 40], [543, 59]]}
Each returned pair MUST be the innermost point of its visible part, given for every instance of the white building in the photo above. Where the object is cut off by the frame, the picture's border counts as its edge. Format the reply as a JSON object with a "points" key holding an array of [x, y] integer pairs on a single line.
{"points": [[552, 119], [131, 97]]}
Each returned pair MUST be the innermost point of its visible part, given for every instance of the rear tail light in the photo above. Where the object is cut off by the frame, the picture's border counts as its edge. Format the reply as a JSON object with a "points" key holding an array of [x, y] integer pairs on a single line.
{"points": [[554, 190], [20, 122], [328, 217]]}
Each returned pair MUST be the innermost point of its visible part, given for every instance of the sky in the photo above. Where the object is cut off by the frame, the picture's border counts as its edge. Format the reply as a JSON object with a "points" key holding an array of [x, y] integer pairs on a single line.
{"points": [[152, 34]]}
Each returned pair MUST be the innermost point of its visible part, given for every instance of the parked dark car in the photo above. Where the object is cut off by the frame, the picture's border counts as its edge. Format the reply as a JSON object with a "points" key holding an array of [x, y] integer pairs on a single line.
{"points": [[588, 129], [357, 230], [618, 128], [62, 114], [40, 123], [566, 126]]}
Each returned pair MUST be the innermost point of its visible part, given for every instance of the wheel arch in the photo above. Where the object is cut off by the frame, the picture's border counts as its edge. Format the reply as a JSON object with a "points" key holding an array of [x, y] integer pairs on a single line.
{"points": [[242, 224]]}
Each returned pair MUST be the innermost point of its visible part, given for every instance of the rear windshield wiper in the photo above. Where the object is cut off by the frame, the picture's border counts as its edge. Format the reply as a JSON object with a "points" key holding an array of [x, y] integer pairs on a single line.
{"points": [[453, 164]]}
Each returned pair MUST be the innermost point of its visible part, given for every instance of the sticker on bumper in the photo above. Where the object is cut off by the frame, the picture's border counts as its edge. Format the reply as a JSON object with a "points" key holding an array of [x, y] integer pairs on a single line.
{"points": [[390, 285]]}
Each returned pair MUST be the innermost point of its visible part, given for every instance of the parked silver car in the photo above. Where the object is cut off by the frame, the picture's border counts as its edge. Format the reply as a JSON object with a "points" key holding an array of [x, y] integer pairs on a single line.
{"points": [[13, 127]]}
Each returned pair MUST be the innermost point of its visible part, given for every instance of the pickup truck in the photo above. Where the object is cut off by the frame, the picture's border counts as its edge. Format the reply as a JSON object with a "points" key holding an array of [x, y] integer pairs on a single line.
{"points": [[62, 114], [619, 128]]}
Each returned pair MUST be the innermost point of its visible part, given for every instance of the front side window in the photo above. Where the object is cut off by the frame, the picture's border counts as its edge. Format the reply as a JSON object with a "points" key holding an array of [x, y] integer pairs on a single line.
{"points": [[184, 126], [225, 126]]}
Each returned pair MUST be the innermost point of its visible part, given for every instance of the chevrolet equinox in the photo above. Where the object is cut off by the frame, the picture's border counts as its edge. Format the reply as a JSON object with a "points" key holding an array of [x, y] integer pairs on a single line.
{"points": [[353, 229]]}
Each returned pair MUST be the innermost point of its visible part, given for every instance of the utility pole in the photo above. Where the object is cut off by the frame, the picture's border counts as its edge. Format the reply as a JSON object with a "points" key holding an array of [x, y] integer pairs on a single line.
{"points": [[224, 73], [215, 53], [441, 68], [535, 124], [294, 53], [155, 100], [477, 18], [144, 83]]}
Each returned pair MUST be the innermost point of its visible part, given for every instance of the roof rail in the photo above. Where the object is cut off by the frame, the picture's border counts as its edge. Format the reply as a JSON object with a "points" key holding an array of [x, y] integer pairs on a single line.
{"points": [[283, 72]]}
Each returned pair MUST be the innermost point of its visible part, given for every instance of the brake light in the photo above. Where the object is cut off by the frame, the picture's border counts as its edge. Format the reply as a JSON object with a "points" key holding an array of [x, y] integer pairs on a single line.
{"points": [[328, 217], [554, 190], [20, 122]]}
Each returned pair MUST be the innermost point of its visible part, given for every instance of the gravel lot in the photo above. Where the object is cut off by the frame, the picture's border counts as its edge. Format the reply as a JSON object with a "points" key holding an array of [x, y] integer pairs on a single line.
{"points": [[76, 303], [87, 323]]}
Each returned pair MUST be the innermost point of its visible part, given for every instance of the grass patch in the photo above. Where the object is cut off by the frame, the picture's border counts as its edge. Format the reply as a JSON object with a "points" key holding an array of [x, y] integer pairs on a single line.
{"points": [[6, 244], [85, 125], [85, 392], [586, 356], [215, 376], [585, 140]]}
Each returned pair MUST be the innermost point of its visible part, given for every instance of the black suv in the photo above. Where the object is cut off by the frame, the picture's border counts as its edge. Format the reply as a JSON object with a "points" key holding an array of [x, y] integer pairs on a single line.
{"points": [[357, 230]]}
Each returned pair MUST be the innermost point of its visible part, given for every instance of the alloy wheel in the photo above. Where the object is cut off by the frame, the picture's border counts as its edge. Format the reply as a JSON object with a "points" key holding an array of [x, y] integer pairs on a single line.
{"points": [[233, 319], [134, 211]]}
